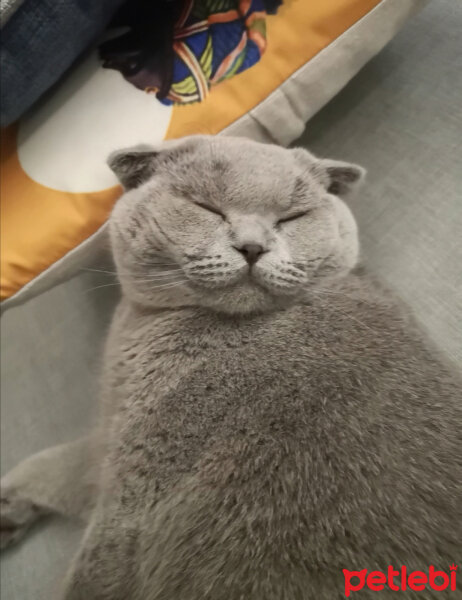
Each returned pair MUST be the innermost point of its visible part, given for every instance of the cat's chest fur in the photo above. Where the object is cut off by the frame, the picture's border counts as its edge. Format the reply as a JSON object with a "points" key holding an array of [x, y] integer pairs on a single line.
{"points": [[189, 379], [152, 356], [151, 353], [339, 390]]}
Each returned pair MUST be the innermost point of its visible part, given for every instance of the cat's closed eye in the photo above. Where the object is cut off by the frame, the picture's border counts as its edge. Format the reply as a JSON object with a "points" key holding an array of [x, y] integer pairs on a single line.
{"points": [[293, 217], [211, 209]]}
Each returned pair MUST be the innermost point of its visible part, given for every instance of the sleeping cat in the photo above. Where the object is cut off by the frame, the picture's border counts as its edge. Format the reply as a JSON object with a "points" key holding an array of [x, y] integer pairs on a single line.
{"points": [[271, 416]]}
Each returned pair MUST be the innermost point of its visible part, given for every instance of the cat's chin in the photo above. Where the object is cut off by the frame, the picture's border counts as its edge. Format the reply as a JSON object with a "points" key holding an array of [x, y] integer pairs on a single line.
{"points": [[243, 299], [246, 297]]}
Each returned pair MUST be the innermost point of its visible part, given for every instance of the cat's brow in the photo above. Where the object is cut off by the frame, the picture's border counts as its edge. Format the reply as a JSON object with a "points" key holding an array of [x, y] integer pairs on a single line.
{"points": [[302, 197], [298, 192], [299, 187]]}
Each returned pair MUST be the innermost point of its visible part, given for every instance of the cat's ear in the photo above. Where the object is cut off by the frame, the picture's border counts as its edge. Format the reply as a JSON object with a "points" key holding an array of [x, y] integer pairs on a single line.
{"points": [[343, 177], [337, 177], [133, 166]]}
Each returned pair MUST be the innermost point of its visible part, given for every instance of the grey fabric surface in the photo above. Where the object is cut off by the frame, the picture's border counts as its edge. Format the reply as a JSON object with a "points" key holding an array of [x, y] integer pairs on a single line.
{"points": [[401, 118], [281, 117]]}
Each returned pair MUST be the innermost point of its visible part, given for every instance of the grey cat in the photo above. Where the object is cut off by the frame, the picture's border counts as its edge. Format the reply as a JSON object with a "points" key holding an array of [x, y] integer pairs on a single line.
{"points": [[271, 416]]}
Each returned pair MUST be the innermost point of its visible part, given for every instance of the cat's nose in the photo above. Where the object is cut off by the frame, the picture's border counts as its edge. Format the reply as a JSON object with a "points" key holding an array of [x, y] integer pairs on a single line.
{"points": [[251, 252]]}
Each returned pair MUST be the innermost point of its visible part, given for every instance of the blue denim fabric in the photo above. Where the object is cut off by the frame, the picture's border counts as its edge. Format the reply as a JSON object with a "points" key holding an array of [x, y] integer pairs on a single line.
{"points": [[39, 43]]}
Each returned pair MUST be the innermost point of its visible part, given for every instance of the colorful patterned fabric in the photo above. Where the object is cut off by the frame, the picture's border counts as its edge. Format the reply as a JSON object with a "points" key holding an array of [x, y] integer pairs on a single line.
{"points": [[179, 49], [214, 40]]}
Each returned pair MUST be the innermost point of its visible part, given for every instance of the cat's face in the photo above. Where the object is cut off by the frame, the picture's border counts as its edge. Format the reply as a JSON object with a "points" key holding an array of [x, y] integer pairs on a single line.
{"points": [[230, 224]]}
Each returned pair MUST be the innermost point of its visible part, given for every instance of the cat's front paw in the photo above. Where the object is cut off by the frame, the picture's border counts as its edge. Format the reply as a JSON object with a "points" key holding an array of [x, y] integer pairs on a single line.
{"points": [[16, 517]]}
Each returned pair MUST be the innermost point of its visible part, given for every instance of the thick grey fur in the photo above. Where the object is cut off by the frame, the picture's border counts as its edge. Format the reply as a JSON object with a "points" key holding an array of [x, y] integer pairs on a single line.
{"points": [[263, 427]]}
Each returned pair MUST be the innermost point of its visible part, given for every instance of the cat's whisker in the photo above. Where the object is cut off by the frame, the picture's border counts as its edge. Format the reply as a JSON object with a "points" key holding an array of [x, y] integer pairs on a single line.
{"points": [[98, 271], [161, 281], [151, 267], [321, 292], [146, 264], [160, 276], [356, 320], [102, 286], [153, 287], [345, 314], [168, 285], [155, 264], [153, 276]]}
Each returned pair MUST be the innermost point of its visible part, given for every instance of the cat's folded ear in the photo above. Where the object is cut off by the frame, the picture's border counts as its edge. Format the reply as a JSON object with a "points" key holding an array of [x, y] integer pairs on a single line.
{"points": [[133, 166], [337, 177], [343, 177]]}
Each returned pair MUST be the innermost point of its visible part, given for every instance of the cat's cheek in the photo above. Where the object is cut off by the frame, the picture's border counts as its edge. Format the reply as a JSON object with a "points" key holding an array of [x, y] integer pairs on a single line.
{"points": [[346, 234]]}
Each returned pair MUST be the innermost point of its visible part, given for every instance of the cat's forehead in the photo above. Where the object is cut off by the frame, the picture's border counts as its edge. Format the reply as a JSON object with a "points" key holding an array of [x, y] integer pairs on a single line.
{"points": [[240, 156], [243, 174]]}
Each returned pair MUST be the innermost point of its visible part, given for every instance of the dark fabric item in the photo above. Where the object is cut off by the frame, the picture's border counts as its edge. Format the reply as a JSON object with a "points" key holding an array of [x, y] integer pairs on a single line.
{"points": [[178, 50], [146, 44], [271, 6], [40, 42]]}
